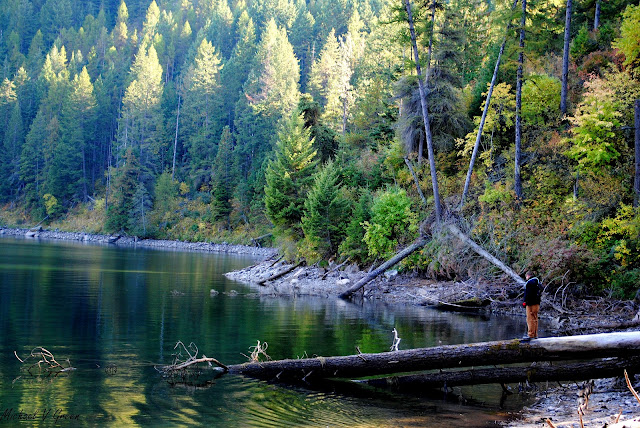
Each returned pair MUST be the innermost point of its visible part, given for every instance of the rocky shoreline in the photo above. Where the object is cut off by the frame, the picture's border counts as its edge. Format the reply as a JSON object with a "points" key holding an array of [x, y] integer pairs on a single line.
{"points": [[128, 241], [557, 403]]}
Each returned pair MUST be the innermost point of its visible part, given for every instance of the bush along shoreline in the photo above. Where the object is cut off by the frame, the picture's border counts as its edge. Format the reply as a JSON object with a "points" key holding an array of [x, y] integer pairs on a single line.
{"points": [[132, 241]]}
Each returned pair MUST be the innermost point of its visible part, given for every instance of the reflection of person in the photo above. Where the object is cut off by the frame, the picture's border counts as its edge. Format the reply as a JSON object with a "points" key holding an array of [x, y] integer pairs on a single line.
{"points": [[532, 304]]}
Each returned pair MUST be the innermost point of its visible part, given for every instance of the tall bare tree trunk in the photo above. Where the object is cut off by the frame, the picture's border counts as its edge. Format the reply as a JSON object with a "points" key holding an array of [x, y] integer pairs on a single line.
{"points": [[425, 115], [175, 141], [517, 177], [474, 154], [636, 181], [565, 58]]}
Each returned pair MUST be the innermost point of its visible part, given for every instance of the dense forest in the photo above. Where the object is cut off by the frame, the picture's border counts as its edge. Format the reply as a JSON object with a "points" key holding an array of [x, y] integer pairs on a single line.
{"points": [[338, 126]]}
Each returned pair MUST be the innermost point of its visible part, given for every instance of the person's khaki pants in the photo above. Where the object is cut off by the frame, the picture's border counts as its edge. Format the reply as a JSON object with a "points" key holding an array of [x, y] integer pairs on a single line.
{"points": [[532, 320]]}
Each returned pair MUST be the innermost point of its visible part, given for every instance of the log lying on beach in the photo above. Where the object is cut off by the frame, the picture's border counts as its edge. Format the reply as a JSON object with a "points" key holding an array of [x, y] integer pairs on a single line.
{"points": [[308, 370], [609, 367], [279, 274]]}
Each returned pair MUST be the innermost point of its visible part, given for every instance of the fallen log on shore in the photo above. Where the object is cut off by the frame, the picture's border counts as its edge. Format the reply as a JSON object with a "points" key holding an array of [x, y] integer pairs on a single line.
{"points": [[567, 348]]}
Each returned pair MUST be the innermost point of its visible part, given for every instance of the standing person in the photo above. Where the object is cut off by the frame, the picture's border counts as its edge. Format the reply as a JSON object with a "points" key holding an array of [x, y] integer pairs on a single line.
{"points": [[532, 305]]}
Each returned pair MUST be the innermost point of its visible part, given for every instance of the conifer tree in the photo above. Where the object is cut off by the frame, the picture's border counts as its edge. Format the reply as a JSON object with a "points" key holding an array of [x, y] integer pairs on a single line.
{"points": [[200, 124], [141, 121], [322, 80], [235, 72], [11, 151], [78, 129], [289, 175], [270, 95], [353, 245], [223, 177], [123, 193], [325, 211], [32, 163]]}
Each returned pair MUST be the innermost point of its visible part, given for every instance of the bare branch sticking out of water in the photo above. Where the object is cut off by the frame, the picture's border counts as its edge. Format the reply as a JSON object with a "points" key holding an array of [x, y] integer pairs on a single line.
{"points": [[186, 369], [256, 351], [396, 340], [45, 362]]}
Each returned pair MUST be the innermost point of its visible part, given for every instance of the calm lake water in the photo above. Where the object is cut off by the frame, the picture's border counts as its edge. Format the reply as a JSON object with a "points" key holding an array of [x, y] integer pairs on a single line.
{"points": [[114, 313]]}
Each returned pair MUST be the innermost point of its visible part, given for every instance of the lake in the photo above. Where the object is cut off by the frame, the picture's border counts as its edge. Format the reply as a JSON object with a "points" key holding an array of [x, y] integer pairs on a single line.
{"points": [[115, 313]]}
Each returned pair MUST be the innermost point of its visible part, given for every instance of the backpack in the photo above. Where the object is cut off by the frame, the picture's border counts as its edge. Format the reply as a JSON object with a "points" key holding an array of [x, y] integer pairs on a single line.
{"points": [[538, 287]]}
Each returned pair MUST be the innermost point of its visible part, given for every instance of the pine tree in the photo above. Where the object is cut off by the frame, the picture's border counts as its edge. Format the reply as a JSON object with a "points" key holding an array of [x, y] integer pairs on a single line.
{"points": [[141, 122], [289, 175], [325, 211], [55, 15], [200, 124], [140, 207], [223, 177], [236, 71], [272, 85], [123, 193], [322, 80], [10, 154], [78, 129], [270, 95], [32, 164], [353, 245]]}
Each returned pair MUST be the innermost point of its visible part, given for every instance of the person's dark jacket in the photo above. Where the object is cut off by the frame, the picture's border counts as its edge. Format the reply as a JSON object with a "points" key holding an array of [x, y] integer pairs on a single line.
{"points": [[531, 292]]}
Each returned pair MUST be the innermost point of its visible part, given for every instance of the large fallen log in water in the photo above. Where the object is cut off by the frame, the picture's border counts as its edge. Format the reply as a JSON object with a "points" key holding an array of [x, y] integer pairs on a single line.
{"points": [[413, 360], [608, 367]]}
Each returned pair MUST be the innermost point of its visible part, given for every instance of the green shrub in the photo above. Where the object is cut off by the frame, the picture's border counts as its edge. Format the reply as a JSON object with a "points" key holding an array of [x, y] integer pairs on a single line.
{"points": [[392, 223]]}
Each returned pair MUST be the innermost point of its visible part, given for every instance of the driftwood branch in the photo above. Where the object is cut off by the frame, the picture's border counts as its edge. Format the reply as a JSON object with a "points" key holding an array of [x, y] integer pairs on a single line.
{"points": [[279, 274], [256, 241], [633, 391], [335, 268], [45, 362]]}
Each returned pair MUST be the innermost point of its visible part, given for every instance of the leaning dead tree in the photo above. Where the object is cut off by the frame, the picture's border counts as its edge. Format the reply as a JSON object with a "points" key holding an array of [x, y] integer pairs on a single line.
{"points": [[420, 243], [606, 345]]}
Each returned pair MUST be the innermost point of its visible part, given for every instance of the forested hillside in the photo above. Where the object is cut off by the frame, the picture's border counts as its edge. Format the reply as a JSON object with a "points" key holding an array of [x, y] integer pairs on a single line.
{"points": [[216, 120]]}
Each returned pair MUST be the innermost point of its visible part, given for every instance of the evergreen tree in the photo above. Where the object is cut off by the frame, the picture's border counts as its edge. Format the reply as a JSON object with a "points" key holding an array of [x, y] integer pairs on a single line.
{"points": [[304, 43], [353, 245], [272, 85], [223, 177], [289, 175], [123, 194], [141, 122], [10, 154], [270, 95], [325, 139], [325, 211], [324, 71], [140, 207], [78, 129], [200, 124], [55, 15], [32, 164], [235, 72]]}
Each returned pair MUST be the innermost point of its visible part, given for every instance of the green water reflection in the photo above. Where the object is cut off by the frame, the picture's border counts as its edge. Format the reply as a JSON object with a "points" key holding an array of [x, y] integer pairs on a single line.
{"points": [[117, 312]]}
